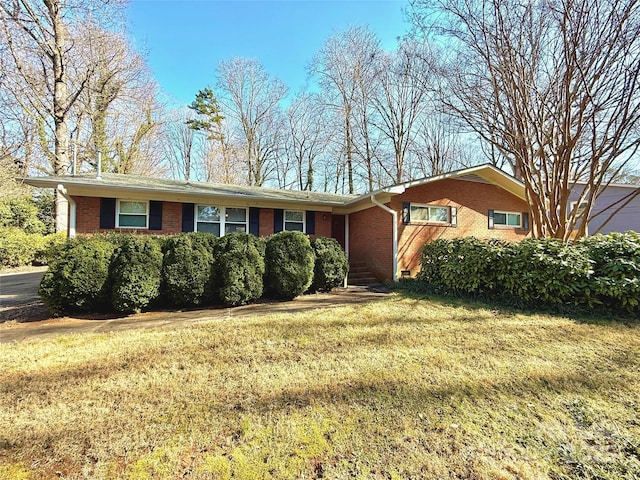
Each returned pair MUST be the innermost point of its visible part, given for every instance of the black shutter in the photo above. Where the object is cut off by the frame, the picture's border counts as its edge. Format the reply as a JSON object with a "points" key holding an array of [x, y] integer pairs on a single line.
{"points": [[490, 218], [107, 213], [406, 213], [525, 220], [454, 216], [278, 220], [187, 217], [155, 215], [311, 222], [254, 221]]}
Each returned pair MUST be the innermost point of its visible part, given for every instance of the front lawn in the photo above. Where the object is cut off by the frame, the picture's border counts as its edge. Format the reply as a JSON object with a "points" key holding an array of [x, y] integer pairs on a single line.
{"points": [[400, 388]]}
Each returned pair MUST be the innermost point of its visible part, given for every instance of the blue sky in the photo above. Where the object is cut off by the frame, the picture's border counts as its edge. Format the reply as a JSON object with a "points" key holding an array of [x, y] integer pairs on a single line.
{"points": [[185, 40]]}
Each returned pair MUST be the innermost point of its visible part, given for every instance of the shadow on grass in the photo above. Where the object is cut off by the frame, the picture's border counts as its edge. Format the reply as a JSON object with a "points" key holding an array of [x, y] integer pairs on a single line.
{"points": [[392, 397], [579, 313]]}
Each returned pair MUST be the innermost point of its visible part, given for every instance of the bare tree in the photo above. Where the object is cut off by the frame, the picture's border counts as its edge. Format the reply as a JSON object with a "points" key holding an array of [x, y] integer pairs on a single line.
{"points": [[180, 144], [251, 98], [306, 137], [403, 77], [39, 37], [553, 86], [345, 67], [222, 158]]}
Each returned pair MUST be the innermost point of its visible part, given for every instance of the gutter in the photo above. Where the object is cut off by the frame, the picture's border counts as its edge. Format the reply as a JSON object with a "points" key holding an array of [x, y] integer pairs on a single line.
{"points": [[72, 210], [394, 215]]}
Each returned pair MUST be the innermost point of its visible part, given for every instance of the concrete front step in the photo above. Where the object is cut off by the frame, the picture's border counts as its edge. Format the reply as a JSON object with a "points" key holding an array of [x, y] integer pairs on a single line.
{"points": [[362, 281], [359, 274]]}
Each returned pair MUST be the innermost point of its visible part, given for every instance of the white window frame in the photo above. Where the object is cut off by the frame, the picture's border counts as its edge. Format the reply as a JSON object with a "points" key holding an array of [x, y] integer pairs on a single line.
{"points": [[304, 220], [506, 225], [118, 213], [196, 220], [429, 206], [223, 217]]}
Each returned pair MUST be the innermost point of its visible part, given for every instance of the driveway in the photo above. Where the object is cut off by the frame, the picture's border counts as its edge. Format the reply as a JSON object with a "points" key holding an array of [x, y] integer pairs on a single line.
{"points": [[24, 318], [20, 288]]}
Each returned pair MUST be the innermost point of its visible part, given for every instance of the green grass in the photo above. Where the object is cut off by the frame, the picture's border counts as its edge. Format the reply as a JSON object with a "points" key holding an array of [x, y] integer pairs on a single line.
{"points": [[400, 388]]}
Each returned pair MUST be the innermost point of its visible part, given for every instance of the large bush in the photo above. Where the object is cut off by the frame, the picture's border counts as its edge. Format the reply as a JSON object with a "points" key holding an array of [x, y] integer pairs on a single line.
{"points": [[539, 272], [21, 212], [186, 270], [615, 261], [331, 264], [77, 279], [545, 270], [289, 262], [19, 248], [239, 269], [136, 273], [49, 248], [472, 265]]}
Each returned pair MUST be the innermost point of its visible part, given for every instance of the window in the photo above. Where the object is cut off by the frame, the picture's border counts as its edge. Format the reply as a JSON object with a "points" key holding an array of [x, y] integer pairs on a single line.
{"points": [[507, 219], [208, 219], [294, 220], [132, 214], [220, 220], [429, 213], [235, 220]]}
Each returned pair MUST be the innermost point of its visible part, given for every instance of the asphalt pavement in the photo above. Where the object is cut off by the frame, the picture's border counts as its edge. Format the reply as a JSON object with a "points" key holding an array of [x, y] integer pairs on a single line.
{"points": [[20, 288]]}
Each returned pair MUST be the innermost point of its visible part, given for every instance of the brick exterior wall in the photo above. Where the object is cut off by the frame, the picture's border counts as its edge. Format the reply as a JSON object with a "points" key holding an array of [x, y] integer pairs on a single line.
{"points": [[323, 225], [88, 219], [171, 217], [87, 214], [370, 241], [266, 222], [370, 232]]}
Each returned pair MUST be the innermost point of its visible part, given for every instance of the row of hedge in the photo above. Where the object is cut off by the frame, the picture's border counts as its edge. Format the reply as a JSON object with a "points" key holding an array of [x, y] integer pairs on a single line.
{"points": [[602, 270], [130, 273], [19, 248]]}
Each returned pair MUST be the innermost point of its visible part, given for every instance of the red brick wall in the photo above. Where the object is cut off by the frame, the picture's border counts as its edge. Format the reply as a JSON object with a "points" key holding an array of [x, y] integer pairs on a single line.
{"points": [[88, 218], [171, 217], [87, 214], [266, 222], [370, 230], [371, 241], [323, 225]]}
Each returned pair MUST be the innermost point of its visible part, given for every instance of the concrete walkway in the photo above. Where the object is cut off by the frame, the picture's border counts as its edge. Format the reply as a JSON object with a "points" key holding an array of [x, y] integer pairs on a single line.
{"points": [[39, 326]]}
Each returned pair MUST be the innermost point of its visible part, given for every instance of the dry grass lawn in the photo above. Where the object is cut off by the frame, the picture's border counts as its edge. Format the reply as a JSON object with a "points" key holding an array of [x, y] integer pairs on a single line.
{"points": [[400, 388]]}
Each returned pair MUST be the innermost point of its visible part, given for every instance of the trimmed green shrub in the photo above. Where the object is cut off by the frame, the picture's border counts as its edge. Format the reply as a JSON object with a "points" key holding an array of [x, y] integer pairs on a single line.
{"points": [[331, 265], [76, 280], [239, 269], [50, 248], [136, 273], [615, 261], [289, 262], [600, 270], [433, 257], [545, 270], [18, 248], [472, 265], [186, 270]]}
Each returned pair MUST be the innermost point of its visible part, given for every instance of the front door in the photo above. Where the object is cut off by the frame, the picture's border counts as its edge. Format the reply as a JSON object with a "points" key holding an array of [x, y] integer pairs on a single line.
{"points": [[337, 229]]}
